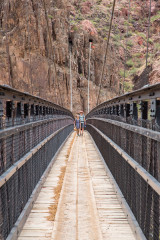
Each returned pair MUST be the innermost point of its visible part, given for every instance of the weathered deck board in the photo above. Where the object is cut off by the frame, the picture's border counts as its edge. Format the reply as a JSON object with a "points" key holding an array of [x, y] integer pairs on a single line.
{"points": [[88, 208]]}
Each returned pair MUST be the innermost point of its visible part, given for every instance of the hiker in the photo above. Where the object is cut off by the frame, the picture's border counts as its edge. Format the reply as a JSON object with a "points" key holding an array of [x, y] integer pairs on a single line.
{"points": [[77, 125], [82, 122]]}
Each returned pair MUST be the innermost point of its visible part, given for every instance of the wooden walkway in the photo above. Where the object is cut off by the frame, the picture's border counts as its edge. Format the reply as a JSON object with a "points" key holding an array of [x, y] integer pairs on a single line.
{"points": [[77, 201]]}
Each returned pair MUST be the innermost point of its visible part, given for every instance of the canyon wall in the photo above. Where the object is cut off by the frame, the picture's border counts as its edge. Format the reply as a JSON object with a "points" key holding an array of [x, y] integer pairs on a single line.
{"points": [[35, 39], [38, 37]]}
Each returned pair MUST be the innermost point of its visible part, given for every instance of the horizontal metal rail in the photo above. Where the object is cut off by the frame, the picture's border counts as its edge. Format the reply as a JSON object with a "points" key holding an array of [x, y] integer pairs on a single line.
{"points": [[17, 141], [148, 92], [19, 181], [18, 108], [140, 189], [18, 226], [136, 129], [140, 108], [31, 131], [127, 211], [8, 174], [9, 92], [13, 130], [137, 167], [141, 144]]}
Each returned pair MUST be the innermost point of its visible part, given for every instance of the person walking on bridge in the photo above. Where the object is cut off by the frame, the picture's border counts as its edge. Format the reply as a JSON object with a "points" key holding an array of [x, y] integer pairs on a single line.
{"points": [[77, 125], [82, 122]]}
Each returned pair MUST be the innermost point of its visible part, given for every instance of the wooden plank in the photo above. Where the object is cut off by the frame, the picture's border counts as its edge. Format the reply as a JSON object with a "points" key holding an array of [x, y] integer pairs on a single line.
{"points": [[88, 206]]}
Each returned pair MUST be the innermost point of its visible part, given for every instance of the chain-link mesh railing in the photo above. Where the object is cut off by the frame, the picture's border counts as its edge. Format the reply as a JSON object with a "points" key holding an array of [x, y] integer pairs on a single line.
{"points": [[143, 199], [15, 145], [149, 124], [10, 122], [15, 193], [140, 146], [32, 129], [20, 140]]}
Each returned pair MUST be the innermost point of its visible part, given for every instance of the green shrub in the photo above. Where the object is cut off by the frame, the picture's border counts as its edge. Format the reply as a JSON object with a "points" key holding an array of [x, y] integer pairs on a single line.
{"points": [[97, 20], [157, 16], [121, 73], [129, 34], [99, 2], [141, 35], [49, 16], [129, 43], [116, 37], [150, 41], [138, 63], [137, 55], [130, 63], [133, 71], [75, 28], [117, 44], [128, 86], [93, 22], [157, 46]]}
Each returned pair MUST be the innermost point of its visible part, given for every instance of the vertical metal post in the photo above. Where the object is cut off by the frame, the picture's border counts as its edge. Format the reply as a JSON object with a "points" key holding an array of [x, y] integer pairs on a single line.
{"points": [[70, 72], [125, 49], [89, 68]]}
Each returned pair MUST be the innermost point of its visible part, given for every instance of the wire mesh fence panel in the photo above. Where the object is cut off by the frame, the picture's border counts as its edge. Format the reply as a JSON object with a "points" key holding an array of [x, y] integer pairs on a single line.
{"points": [[143, 200], [15, 193], [14, 146], [141, 148]]}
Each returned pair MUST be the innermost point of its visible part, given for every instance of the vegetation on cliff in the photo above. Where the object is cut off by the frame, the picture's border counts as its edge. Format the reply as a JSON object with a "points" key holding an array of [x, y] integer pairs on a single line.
{"points": [[34, 47]]}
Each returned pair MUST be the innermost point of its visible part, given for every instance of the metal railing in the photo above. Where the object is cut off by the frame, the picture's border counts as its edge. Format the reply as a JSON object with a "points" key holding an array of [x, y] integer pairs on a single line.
{"points": [[126, 130], [140, 108], [17, 108], [17, 141], [139, 143], [27, 148], [18, 183], [132, 154]]}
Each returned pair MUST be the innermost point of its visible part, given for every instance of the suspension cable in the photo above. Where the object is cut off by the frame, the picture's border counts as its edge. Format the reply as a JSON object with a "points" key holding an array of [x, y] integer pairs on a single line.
{"points": [[89, 73], [29, 45], [10, 78], [121, 83], [70, 73], [105, 56], [49, 34], [149, 24], [125, 49], [70, 65]]}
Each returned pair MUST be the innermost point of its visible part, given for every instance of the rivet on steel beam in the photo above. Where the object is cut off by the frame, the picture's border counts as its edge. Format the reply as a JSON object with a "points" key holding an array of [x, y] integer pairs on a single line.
{"points": [[151, 94]]}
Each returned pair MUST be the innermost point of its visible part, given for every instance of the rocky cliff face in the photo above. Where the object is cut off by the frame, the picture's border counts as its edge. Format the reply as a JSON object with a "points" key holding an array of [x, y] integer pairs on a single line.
{"points": [[34, 53], [36, 37]]}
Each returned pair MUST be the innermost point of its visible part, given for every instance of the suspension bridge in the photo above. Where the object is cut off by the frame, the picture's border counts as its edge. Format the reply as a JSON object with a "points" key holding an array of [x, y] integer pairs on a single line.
{"points": [[103, 185]]}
